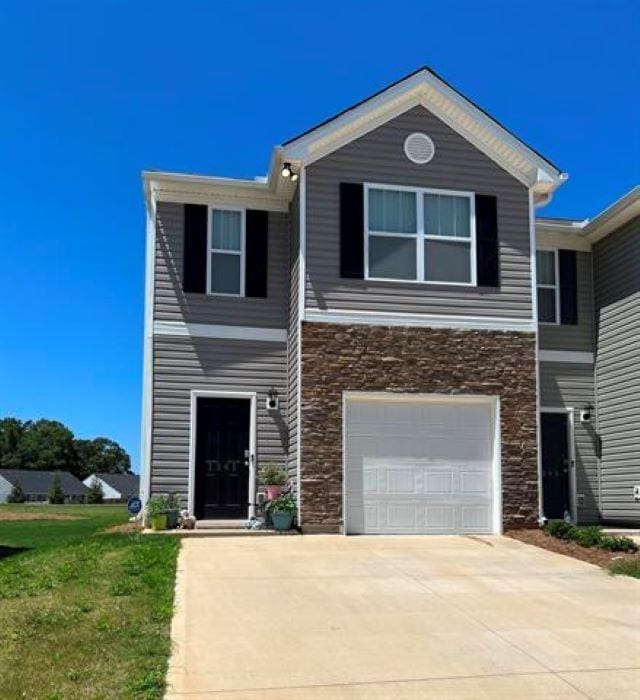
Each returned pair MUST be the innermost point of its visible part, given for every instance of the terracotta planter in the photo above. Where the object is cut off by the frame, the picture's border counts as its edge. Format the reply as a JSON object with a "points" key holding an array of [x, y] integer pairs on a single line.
{"points": [[273, 492]]}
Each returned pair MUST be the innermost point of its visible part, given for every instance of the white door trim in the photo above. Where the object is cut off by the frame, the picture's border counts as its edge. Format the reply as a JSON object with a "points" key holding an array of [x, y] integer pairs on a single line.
{"points": [[213, 394], [571, 444], [493, 401]]}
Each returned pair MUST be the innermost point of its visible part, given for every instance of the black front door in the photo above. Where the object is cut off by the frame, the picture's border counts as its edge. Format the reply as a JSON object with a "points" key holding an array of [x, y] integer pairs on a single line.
{"points": [[222, 458], [555, 465]]}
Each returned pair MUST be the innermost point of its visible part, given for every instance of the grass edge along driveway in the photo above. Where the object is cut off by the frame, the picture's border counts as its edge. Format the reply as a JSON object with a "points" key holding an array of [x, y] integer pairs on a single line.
{"points": [[84, 612]]}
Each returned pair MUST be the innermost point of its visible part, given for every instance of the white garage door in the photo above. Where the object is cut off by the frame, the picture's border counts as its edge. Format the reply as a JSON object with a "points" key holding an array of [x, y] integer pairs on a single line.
{"points": [[420, 465]]}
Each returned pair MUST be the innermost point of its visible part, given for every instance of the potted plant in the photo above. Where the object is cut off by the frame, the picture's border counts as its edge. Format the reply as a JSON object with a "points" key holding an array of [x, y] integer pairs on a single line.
{"points": [[281, 511], [157, 512], [274, 478], [173, 510]]}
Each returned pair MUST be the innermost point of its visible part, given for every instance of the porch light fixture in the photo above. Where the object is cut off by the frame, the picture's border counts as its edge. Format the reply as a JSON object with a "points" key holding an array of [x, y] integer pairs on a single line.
{"points": [[286, 170], [272, 400], [294, 177], [585, 413]]}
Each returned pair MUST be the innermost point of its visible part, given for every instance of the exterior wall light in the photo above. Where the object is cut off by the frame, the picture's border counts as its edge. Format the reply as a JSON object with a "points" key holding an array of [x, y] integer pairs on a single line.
{"points": [[294, 177], [286, 170], [272, 400]]}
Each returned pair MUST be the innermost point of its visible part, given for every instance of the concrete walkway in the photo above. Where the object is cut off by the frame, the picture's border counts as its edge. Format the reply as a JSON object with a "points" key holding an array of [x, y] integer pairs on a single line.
{"points": [[288, 618]]}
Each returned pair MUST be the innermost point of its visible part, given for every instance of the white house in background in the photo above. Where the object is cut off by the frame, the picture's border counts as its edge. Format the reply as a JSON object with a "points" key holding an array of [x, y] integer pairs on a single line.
{"points": [[115, 487]]}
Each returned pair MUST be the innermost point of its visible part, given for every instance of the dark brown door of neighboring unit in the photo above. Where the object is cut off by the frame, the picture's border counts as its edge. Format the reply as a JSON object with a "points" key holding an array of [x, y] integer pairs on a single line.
{"points": [[222, 458], [555, 465]]}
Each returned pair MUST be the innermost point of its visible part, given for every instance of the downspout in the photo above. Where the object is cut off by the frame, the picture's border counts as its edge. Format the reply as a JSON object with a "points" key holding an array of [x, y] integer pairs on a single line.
{"points": [[302, 282]]}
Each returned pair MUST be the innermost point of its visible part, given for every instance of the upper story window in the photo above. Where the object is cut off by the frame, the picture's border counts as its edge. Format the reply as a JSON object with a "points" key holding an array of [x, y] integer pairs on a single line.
{"points": [[419, 235], [225, 274], [547, 277]]}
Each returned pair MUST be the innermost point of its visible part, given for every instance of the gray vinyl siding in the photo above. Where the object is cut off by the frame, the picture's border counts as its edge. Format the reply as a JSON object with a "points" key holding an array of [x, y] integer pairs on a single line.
{"points": [[378, 157], [617, 297], [172, 304], [182, 364], [292, 339], [5, 489], [578, 337], [572, 385]]}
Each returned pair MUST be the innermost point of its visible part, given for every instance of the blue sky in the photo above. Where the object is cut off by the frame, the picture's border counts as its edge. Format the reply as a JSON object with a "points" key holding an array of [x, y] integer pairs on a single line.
{"points": [[92, 93]]}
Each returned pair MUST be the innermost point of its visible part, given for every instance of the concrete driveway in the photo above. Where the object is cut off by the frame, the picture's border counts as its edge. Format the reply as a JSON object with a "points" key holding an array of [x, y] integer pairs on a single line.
{"points": [[287, 618]]}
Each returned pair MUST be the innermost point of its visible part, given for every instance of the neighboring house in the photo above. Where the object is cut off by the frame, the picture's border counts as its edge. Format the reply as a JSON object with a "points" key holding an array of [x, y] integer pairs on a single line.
{"points": [[367, 314], [36, 485], [116, 487]]}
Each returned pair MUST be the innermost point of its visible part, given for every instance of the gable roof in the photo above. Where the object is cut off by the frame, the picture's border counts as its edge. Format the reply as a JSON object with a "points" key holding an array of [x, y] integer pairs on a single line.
{"points": [[425, 87], [35, 481], [126, 485]]}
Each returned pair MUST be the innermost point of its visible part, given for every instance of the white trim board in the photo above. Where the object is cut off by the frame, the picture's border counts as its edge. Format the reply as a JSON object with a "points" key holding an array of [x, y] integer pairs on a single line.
{"points": [[382, 318], [193, 423], [572, 356], [206, 330]]}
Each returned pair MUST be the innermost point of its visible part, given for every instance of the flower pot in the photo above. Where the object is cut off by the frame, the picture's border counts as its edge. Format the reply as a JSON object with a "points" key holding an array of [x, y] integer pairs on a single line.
{"points": [[173, 514], [282, 521], [273, 492], [158, 521]]}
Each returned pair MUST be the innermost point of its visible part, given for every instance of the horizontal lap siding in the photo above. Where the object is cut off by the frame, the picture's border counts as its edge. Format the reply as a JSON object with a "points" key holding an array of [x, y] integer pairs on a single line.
{"points": [[617, 295], [578, 337], [378, 157], [183, 364], [562, 385], [172, 304]]}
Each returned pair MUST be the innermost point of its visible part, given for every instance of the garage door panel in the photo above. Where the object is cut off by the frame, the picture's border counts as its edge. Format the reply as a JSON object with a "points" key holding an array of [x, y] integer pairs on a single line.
{"points": [[419, 467]]}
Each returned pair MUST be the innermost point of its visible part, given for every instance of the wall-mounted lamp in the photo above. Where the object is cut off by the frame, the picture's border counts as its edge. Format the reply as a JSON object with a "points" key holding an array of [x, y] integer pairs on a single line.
{"points": [[294, 177], [585, 413], [272, 400], [286, 170]]}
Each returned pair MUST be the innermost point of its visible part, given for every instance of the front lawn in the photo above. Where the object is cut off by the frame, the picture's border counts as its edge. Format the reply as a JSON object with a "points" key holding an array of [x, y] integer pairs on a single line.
{"points": [[85, 609]]}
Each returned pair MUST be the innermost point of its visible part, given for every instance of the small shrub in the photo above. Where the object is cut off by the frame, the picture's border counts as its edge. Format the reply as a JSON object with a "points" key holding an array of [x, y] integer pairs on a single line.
{"points": [[618, 544], [626, 567], [273, 475], [17, 495], [285, 503], [56, 494], [558, 528], [95, 493], [590, 536]]}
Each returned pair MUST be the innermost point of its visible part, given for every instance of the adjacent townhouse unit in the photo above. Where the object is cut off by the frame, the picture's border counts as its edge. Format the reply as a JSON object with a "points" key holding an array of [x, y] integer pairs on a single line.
{"points": [[36, 485], [115, 487], [380, 316]]}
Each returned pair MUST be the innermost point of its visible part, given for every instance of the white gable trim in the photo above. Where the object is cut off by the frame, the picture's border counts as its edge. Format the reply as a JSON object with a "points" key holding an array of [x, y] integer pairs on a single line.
{"points": [[426, 89]]}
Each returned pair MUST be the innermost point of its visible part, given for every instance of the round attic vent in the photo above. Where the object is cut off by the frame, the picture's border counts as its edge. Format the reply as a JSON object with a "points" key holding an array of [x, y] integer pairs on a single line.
{"points": [[419, 148]]}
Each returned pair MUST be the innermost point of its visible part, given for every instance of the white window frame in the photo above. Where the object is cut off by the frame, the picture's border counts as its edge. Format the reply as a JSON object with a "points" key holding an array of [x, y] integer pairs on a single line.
{"points": [[211, 250], [420, 236], [555, 287]]}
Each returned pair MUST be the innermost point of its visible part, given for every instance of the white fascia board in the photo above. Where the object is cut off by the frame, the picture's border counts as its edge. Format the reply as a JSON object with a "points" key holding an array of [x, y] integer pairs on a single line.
{"points": [[382, 318], [565, 234], [199, 189], [424, 88], [615, 216]]}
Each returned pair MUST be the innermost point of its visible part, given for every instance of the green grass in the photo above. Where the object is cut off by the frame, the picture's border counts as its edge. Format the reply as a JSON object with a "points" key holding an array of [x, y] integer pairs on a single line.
{"points": [[83, 613], [626, 567]]}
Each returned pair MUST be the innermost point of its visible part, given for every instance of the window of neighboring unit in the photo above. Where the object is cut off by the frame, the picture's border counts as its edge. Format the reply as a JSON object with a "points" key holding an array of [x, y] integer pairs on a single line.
{"points": [[420, 235], [547, 277], [226, 257]]}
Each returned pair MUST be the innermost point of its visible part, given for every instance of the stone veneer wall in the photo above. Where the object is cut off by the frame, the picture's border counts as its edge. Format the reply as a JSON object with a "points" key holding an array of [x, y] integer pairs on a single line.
{"points": [[338, 358]]}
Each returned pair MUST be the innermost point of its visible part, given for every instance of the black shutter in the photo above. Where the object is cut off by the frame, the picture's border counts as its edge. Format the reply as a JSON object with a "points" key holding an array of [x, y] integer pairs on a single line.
{"points": [[568, 286], [257, 253], [487, 252], [351, 230], [195, 249]]}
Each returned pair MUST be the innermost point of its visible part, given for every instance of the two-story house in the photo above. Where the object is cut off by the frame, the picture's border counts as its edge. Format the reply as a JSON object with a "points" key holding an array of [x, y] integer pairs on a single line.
{"points": [[374, 316]]}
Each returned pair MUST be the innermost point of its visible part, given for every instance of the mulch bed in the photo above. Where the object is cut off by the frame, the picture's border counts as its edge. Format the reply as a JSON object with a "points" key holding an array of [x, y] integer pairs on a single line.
{"points": [[592, 555], [125, 528]]}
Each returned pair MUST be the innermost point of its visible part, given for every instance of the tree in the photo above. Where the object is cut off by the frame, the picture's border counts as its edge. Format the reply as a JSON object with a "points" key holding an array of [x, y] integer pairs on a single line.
{"points": [[48, 445], [16, 495], [11, 432], [102, 455], [56, 494], [95, 493]]}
